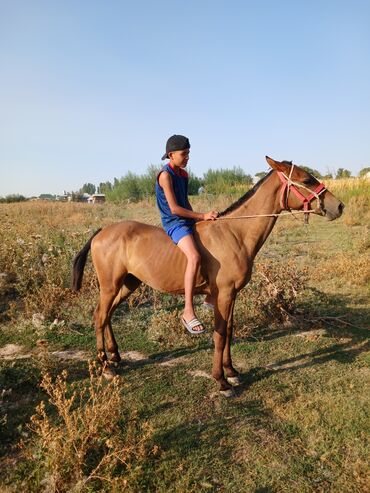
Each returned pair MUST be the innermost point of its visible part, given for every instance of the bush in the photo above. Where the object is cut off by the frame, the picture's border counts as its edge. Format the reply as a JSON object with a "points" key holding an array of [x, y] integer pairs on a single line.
{"points": [[78, 438], [12, 198], [271, 296], [127, 188], [226, 180]]}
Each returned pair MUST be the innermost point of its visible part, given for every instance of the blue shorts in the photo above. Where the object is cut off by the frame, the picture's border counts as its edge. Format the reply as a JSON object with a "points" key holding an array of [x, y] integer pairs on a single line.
{"points": [[179, 231]]}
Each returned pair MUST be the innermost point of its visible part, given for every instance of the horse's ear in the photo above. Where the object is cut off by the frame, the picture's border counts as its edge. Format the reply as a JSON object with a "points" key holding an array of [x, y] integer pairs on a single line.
{"points": [[277, 165], [271, 162]]}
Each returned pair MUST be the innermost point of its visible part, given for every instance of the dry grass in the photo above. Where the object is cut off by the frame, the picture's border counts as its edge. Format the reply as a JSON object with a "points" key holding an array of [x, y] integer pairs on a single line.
{"points": [[353, 269], [355, 193], [79, 437]]}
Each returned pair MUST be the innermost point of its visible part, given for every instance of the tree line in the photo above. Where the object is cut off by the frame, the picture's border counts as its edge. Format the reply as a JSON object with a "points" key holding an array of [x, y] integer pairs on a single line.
{"points": [[135, 187]]}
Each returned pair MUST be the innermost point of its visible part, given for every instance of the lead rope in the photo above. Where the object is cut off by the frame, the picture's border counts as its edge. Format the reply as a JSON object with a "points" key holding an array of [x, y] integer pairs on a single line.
{"points": [[289, 183], [279, 214]]}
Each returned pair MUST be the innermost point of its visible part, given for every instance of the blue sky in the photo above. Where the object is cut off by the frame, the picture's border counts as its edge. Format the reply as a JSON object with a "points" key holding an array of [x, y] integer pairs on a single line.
{"points": [[90, 90]]}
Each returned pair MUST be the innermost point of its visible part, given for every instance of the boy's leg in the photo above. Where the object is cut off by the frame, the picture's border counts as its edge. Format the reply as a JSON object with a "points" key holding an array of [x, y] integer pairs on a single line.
{"points": [[188, 246]]}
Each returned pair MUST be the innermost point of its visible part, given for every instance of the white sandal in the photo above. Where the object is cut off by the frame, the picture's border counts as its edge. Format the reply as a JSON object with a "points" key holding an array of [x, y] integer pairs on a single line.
{"points": [[189, 326]]}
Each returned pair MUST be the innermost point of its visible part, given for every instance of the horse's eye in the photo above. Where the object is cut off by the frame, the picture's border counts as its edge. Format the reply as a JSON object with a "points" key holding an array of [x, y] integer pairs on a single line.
{"points": [[309, 181]]}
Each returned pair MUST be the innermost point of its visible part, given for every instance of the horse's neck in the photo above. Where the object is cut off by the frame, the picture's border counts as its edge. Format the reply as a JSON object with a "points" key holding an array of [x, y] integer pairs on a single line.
{"points": [[255, 231]]}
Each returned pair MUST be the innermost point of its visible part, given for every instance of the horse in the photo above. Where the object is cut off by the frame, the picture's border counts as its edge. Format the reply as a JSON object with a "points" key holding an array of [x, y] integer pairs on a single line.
{"points": [[129, 253]]}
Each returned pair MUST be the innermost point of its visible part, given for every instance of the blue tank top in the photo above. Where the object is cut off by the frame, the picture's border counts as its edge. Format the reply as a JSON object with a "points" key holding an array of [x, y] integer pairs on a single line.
{"points": [[180, 188]]}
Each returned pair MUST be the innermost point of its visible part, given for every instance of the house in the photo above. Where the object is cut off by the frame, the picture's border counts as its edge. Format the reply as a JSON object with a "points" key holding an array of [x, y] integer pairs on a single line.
{"points": [[97, 198]]}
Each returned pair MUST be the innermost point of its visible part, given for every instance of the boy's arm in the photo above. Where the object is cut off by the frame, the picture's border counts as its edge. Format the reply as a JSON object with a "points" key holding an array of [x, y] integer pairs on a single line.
{"points": [[166, 183]]}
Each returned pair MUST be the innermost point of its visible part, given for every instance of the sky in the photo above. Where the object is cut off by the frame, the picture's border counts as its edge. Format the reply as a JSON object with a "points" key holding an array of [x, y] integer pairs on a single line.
{"points": [[90, 90]]}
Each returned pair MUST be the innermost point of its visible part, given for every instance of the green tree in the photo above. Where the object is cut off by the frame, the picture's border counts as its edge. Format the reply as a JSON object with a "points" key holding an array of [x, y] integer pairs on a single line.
{"points": [[226, 180], [104, 187], [342, 173], [146, 182], [88, 188], [261, 174], [46, 196], [312, 171], [13, 198], [194, 184], [364, 171], [127, 188]]}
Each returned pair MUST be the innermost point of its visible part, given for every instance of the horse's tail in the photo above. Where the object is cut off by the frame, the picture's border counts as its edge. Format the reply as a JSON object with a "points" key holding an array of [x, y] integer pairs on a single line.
{"points": [[79, 263]]}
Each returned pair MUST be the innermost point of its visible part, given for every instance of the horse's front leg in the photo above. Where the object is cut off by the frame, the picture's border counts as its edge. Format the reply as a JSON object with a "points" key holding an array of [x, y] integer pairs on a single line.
{"points": [[232, 376], [223, 306]]}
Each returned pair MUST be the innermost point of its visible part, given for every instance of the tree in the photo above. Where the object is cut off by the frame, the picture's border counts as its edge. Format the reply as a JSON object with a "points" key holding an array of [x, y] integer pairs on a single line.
{"points": [[146, 182], [312, 171], [342, 173], [226, 180], [13, 198], [88, 188], [364, 171], [104, 187], [127, 188], [194, 184], [261, 174], [46, 196]]}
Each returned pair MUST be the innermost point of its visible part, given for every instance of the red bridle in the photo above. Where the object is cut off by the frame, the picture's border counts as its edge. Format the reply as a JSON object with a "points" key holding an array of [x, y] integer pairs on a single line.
{"points": [[289, 185]]}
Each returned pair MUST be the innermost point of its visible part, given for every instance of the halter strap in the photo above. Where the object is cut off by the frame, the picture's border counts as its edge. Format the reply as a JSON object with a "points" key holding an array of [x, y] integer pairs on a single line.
{"points": [[289, 185]]}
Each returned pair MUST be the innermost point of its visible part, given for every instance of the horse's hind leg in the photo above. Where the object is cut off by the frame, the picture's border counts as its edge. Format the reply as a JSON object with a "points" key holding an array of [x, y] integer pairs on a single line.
{"points": [[131, 283], [101, 318]]}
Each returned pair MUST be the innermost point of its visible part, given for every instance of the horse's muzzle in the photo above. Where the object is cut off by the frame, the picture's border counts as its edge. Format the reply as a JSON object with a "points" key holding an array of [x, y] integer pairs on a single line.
{"points": [[334, 214]]}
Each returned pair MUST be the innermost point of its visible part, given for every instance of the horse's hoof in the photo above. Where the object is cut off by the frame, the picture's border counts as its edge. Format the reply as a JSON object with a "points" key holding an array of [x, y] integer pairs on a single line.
{"points": [[234, 381], [115, 358], [108, 373], [228, 393], [101, 357]]}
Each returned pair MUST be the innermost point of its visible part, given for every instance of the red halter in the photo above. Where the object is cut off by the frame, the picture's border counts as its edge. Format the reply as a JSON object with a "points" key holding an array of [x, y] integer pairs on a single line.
{"points": [[289, 185]]}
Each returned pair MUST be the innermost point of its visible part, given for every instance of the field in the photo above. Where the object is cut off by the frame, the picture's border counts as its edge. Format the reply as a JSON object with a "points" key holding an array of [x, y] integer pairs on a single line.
{"points": [[300, 421]]}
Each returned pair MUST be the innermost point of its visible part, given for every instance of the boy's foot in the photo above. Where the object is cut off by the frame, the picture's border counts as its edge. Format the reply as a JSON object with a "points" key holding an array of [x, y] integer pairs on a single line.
{"points": [[193, 325]]}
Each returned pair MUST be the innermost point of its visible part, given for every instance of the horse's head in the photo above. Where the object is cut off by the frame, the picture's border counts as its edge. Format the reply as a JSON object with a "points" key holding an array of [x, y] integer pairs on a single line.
{"points": [[302, 191]]}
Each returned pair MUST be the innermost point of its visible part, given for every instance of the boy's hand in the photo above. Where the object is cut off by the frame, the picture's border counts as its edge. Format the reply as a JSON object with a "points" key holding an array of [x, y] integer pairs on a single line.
{"points": [[210, 216]]}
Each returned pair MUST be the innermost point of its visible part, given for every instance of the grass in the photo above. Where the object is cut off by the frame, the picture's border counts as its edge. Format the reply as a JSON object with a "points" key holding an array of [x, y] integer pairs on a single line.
{"points": [[300, 420]]}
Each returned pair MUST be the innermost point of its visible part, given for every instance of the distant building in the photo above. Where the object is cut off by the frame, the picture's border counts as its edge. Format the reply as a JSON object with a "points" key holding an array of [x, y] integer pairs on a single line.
{"points": [[96, 198]]}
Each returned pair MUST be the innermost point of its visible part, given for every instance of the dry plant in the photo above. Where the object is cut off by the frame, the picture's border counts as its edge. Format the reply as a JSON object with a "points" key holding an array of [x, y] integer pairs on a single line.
{"points": [[79, 438], [165, 327], [350, 268], [271, 296]]}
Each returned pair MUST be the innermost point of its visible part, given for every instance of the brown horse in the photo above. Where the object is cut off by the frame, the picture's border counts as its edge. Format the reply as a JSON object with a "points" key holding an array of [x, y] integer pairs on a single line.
{"points": [[129, 253]]}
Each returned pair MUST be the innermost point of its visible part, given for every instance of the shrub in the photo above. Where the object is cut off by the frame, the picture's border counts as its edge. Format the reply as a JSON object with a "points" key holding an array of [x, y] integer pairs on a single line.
{"points": [[226, 180], [271, 296], [79, 439]]}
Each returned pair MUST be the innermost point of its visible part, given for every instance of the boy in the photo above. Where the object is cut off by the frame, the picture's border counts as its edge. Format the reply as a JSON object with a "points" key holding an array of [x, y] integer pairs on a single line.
{"points": [[178, 218]]}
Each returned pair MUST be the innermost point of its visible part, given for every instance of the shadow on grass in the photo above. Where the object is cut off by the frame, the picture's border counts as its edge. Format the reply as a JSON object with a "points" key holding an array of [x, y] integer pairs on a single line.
{"points": [[331, 312], [341, 353], [207, 441]]}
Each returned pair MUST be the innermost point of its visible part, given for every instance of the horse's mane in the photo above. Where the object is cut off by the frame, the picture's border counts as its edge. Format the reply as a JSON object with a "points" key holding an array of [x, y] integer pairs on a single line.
{"points": [[246, 196]]}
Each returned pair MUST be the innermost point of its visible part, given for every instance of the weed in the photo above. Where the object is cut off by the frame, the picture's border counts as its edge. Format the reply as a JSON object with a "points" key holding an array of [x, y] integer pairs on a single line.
{"points": [[79, 437]]}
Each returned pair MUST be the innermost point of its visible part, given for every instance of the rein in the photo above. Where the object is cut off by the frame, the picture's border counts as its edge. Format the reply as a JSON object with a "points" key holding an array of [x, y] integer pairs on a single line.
{"points": [[277, 214]]}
